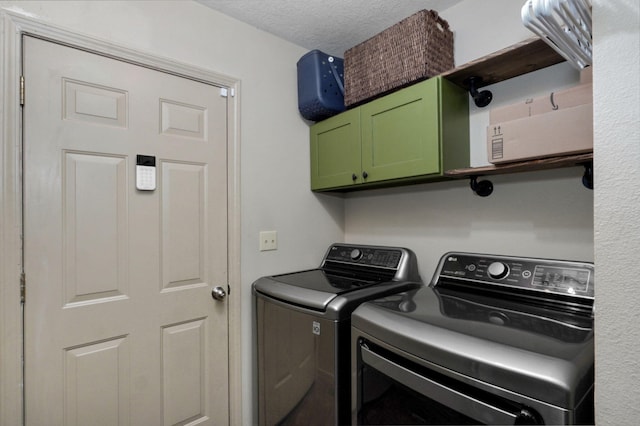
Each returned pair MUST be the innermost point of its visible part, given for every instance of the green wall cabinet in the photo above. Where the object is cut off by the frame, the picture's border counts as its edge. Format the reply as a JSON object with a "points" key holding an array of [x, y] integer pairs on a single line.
{"points": [[409, 136]]}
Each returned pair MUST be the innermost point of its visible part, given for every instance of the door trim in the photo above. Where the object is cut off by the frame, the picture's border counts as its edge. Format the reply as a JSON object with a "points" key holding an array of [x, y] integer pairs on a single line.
{"points": [[12, 26]]}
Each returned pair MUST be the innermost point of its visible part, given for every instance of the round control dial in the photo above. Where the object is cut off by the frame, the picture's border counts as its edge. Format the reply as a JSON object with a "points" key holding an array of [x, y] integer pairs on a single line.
{"points": [[498, 270], [356, 254]]}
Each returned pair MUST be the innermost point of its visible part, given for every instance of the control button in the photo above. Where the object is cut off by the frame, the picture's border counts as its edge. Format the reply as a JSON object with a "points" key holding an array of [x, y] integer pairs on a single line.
{"points": [[498, 270], [356, 254], [526, 274], [470, 267]]}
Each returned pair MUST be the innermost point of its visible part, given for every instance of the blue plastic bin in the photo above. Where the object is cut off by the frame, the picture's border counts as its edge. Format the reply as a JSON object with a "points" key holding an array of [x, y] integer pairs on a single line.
{"points": [[320, 85]]}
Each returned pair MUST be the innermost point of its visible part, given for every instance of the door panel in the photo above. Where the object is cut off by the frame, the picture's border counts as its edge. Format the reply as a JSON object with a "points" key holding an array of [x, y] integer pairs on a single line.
{"points": [[183, 366], [94, 225], [183, 224], [104, 362], [120, 326]]}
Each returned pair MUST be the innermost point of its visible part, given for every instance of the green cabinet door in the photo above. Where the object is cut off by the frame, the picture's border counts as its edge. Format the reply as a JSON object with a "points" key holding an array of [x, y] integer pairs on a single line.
{"points": [[401, 133], [335, 151]]}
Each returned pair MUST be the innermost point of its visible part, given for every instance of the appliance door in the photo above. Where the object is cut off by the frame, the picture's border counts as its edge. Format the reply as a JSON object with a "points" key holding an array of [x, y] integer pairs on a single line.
{"points": [[297, 366], [394, 390]]}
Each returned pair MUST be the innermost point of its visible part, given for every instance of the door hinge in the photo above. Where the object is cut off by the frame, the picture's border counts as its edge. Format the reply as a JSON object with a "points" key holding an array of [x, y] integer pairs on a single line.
{"points": [[23, 288], [22, 90]]}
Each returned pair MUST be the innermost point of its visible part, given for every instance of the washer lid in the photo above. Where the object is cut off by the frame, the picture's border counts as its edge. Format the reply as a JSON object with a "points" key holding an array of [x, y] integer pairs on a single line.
{"points": [[313, 289]]}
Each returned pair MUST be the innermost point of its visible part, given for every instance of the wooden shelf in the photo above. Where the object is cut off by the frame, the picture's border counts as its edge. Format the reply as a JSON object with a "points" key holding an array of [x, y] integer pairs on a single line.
{"points": [[521, 58], [523, 166], [484, 188]]}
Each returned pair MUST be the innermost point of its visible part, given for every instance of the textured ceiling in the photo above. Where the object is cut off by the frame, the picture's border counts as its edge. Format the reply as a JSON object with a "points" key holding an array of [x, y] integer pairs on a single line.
{"points": [[332, 26]]}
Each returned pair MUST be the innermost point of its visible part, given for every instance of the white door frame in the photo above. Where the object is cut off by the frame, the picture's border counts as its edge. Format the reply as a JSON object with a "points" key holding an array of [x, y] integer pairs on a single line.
{"points": [[12, 26]]}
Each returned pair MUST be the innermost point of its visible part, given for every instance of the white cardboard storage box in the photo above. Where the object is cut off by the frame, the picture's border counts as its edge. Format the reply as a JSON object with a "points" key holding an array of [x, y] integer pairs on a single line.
{"points": [[548, 126]]}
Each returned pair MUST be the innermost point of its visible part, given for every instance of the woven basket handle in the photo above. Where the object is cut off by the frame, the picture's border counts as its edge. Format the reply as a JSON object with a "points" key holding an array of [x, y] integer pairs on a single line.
{"points": [[442, 22]]}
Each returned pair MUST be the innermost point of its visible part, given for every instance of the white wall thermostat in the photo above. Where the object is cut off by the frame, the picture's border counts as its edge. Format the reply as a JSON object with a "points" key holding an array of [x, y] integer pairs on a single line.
{"points": [[145, 172]]}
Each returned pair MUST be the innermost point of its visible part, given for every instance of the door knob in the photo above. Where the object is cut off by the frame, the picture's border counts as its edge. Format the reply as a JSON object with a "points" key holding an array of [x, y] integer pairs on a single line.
{"points": [[218, 293]]}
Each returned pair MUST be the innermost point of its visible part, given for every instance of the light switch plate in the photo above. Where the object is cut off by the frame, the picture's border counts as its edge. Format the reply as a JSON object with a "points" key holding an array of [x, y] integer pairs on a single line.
{"points": [[268, 240]]}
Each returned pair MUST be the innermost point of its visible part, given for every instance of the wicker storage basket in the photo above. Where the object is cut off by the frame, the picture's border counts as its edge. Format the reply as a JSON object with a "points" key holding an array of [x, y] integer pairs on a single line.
{"points": [[416, 48]]}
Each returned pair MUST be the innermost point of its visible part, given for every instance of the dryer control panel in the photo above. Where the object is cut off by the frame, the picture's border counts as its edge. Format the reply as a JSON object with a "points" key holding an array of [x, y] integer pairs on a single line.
{"points": [[554, 276]]}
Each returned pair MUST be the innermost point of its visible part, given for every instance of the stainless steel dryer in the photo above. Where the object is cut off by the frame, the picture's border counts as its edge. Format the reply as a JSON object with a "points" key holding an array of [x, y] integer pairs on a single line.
{"points": [[491, 340], [303, 330]]}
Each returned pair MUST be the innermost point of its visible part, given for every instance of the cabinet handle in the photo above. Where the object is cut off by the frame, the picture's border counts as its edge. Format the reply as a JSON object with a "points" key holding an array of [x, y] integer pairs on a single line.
{"points": [[365, 175], [354, 176]]}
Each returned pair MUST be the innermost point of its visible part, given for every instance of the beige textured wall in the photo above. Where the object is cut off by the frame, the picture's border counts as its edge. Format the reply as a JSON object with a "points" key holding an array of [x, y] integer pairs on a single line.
{"points": [[616, 90]]}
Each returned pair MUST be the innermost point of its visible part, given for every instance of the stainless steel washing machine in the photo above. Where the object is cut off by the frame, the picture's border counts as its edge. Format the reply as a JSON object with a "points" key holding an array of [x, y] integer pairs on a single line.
{"points": [[491, 340], [303, 330]]}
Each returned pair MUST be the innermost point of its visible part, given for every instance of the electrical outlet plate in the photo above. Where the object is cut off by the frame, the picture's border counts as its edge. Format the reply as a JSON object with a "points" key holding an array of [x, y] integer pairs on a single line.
{"points": [[268, 240]]}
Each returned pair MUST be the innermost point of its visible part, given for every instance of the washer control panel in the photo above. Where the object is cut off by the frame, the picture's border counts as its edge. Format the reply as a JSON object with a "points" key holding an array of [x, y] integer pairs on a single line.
{"points": [[564, 277], [365, 255]]}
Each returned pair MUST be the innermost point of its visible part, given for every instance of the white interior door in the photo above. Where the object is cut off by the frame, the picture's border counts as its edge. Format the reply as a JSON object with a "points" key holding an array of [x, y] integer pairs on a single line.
{"points": [[120, 324]]}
